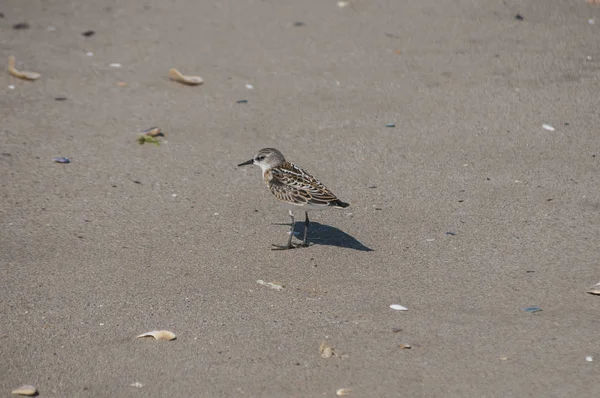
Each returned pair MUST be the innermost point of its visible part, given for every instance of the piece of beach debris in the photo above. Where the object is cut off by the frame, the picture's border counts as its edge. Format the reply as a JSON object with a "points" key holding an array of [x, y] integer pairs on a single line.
{"points": [[326, 350], [249, 86], [272, 285], [243, 101], [185, 79], [20, 74], [137, 384], [299, 23], [61, 160], [405, 346], [519, 17], [27, 390], [451, 233], [595, 289], [396, 330], [531, 310], [548, 127], [88, 33], [589, 358], [60, 98], [398, 307], [390, 125], [153, 132], [115, 65], [159, 335], [21, 26], [341, 392], [342, 4]]}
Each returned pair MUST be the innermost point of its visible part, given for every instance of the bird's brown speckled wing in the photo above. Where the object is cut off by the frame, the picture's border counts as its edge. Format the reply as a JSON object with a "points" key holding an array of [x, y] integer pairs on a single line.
{"points": [[290, 183]]}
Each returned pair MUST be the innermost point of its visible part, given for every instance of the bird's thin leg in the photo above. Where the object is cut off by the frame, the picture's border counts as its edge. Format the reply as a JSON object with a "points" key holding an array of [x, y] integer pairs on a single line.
{"points": [[289, 242], [306, 226]]}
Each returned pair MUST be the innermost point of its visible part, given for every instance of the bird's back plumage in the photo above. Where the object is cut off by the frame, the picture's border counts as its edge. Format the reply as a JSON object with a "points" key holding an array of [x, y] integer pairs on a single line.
{"points": [[294, 185]]}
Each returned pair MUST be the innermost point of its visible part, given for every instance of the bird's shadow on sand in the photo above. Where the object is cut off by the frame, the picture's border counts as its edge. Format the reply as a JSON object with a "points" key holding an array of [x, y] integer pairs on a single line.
{"points": [[321, 234]]}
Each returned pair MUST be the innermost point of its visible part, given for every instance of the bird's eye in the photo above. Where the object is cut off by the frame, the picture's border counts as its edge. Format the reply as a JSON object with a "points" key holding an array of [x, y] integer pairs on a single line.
{"points": [[261, 157]]}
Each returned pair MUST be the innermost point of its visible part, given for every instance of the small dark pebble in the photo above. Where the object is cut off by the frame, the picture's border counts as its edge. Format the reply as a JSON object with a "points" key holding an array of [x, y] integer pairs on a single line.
{"points": [[378, 208], [21, 25], [531, 310], [566, 123], [299, 23], [62, 160], [549, 200], [396, 330], [6, 154], [529, 272], [241, 101], [89, 33], [390, 125], [593, 156], [460, 201], [519, 17], [137, 182], [451, 233], [372, 186], [60, 98], [1, 15]]}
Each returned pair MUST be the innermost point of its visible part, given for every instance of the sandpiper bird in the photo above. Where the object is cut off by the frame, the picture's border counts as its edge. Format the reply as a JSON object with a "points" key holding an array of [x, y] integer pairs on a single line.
{"points": [[295, 187]]}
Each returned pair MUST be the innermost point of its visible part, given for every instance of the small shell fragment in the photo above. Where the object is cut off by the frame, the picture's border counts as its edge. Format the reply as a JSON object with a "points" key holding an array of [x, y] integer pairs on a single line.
{"points": [[25, 390], [405, 346], [159, 335], [548, 127], [20, 74], [398, 307], [342, 4], [185, 79], [343, 392], [589, 359], [272, 285], [531, 310], [115, 65], [153, 132], [62, 160], [326, 350], [595, 289]]}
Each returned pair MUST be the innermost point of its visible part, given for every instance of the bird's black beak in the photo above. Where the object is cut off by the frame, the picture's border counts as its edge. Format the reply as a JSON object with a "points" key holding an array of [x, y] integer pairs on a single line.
{"points": [[251, 161]]}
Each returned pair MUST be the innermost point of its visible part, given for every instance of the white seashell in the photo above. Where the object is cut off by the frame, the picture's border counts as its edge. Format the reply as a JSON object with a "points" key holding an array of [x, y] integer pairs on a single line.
{"points": [[342, 4], [398, 307], [343, 391], [326, 350], [159, 335], [25, 390], [595, 289], [548, 127], [137, 384], [115, 65], [405, 346], [185, 79], [589, 359], [20, 74], [270, 284]]}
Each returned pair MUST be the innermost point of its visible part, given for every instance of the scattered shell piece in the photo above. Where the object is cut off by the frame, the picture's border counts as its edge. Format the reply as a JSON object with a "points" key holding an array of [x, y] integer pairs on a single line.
{"points": [[88, 33], [272, 285], [159, 335], [405, 346], [589, 358], [390, 125], [244, 101], [396, 330], [532, 309], [11, 87], [89, 54], [504, 358], [25, 390], [595, 289], [398, 307], [115, 65], [343, 391], [121, 84], [153, 132], [185, 79], [137, 384], [20, 74], [326, 350], [60, 98], [249, 86], [342, 4], [62, 160], [548, 127], [591, 21]]}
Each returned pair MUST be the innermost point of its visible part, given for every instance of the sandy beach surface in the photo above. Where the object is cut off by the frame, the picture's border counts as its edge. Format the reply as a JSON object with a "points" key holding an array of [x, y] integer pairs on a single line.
{"points": [[466, 212]]}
